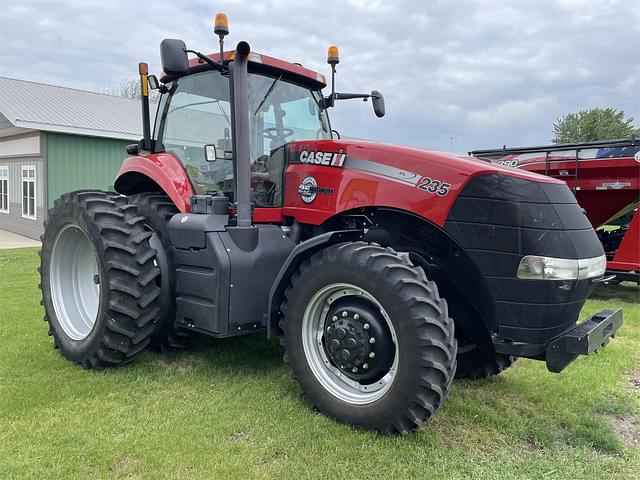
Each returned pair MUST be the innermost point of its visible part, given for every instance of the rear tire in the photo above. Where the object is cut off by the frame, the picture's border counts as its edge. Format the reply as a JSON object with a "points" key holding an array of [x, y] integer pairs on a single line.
{"points": [[97, 278], [371, 293], [157, 209]]}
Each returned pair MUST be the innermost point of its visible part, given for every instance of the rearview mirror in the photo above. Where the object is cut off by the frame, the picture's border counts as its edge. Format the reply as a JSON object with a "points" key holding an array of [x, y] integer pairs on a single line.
{"points": [[210, 153], [377, 101], [153, 82], [174, 57]]}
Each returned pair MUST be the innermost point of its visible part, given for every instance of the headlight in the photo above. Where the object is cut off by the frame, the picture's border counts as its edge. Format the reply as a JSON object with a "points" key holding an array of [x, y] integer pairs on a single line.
{"points": [[533, 267], [592, 267]]}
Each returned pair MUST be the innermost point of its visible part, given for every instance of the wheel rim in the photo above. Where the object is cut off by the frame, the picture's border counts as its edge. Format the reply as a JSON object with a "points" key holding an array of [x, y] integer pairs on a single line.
{"points": [[318, 320], [75, 282]]}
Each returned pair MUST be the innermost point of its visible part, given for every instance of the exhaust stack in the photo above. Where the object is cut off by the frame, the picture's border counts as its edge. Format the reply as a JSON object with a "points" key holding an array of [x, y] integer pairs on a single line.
{"points": [[240, 125]]}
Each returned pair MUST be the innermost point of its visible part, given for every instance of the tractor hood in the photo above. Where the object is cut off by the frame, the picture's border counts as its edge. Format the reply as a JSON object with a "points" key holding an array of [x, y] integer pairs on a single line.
{"points": [[350, 174], [405, 160]]}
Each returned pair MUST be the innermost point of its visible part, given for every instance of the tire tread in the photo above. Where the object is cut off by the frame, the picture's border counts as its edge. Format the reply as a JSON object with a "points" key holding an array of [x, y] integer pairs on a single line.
{"points": [[124, 261], [428, 314]]}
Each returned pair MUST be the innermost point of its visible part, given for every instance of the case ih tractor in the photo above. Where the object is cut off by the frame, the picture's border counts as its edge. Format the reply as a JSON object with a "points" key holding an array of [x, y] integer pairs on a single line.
{"points": [[387, 271]]}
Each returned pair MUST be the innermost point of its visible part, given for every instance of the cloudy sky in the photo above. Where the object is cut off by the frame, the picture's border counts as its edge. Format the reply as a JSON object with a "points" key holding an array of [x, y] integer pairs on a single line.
{"points": [[484, 72]]}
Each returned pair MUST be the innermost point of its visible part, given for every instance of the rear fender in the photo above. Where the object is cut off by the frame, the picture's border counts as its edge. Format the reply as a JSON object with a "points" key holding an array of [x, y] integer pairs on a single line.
{"points": [[158, 171]]}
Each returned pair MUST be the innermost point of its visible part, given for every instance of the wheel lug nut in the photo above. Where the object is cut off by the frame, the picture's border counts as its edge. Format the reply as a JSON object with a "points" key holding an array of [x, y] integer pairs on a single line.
{"points": [[356, 316], [344, 314], [334, 319], [365, 365], [354, 369], [366, 326], [372, 340], [372, 355]]}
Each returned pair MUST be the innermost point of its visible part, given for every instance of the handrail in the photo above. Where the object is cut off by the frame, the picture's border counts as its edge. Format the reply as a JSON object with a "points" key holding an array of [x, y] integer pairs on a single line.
{"points": [[625, 142]]}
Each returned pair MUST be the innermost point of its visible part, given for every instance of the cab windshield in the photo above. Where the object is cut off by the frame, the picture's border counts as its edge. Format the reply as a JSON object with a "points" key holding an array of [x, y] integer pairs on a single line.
{"points": [[197, 112]]}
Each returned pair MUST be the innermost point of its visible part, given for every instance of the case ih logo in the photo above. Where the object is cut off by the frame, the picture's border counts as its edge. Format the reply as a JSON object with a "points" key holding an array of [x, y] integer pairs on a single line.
{"points": [[309, 190], [323, 158]]}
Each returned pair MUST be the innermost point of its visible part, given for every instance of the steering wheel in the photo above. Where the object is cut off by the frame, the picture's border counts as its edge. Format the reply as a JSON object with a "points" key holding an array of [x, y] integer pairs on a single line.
{"points": [[271, 133]]}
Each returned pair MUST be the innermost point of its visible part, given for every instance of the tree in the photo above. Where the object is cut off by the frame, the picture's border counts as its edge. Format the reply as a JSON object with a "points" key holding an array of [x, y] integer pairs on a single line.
{"points": [[130, 88], [591, 125]]}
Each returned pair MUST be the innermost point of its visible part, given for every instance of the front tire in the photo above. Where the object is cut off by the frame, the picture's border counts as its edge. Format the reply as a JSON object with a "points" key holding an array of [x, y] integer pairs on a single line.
{"points": [[97, 278], [368, 338]]}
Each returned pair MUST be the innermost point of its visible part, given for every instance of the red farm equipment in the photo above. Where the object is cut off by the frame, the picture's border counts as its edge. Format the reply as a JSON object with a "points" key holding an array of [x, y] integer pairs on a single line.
{"points": [[386, 271], [605, 178]]}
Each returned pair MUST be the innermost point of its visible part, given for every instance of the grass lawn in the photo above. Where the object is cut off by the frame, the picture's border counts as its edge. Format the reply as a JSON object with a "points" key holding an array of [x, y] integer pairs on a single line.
{"points": [[227, 409]]}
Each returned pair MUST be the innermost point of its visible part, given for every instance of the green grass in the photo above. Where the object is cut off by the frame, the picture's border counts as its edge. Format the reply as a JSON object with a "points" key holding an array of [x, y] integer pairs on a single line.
{"points": [[227, 409]]}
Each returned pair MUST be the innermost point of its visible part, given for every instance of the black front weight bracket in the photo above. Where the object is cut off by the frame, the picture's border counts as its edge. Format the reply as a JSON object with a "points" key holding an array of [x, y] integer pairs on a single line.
{"points": [[584, 339]]}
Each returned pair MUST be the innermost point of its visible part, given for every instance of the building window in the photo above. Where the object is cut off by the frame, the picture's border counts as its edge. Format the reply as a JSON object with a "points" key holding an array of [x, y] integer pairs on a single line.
{"points": [[29, 192], [4, 189]]}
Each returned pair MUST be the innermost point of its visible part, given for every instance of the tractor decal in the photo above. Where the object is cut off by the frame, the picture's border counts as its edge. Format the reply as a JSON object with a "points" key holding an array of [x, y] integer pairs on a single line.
{"points": [[328, 159], [431, 185], [309, 190], [388, 172], [382, 170]]}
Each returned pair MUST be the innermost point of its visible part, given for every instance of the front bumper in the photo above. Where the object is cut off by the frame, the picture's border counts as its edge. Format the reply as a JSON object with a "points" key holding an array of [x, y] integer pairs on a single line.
{"points": [[584, 339]]}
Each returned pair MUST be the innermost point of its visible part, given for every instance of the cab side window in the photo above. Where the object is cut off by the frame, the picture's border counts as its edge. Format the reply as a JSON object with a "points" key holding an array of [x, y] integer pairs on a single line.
{"points": [[198, 113]]}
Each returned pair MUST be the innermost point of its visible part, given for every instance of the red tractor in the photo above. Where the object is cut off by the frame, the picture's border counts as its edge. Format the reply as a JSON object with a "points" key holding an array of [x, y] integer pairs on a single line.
{"points": [[386, 271]]}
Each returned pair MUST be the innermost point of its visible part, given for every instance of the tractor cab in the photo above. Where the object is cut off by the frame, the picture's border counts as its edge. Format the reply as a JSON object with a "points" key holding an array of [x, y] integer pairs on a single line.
{"points": [[227, 118], [194, 124]]}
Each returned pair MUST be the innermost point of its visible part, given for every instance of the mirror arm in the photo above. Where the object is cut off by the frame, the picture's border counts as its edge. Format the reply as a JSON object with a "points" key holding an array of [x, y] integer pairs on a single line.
{"points": [[330, 101], [349, 96], [204, 58]]}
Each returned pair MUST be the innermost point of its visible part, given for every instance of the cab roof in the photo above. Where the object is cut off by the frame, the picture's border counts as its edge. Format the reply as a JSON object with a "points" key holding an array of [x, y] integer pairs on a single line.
{"points": [[270, 65]]}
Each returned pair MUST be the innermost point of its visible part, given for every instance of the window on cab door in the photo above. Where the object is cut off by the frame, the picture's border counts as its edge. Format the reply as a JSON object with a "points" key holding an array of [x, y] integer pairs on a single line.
{"points": [[280, 112], [197, 112]]}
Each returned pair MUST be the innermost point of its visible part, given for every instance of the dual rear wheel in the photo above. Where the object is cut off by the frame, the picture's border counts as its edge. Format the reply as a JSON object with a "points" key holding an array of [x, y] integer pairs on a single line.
{"points": [[107, 277], [98, 279]]}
